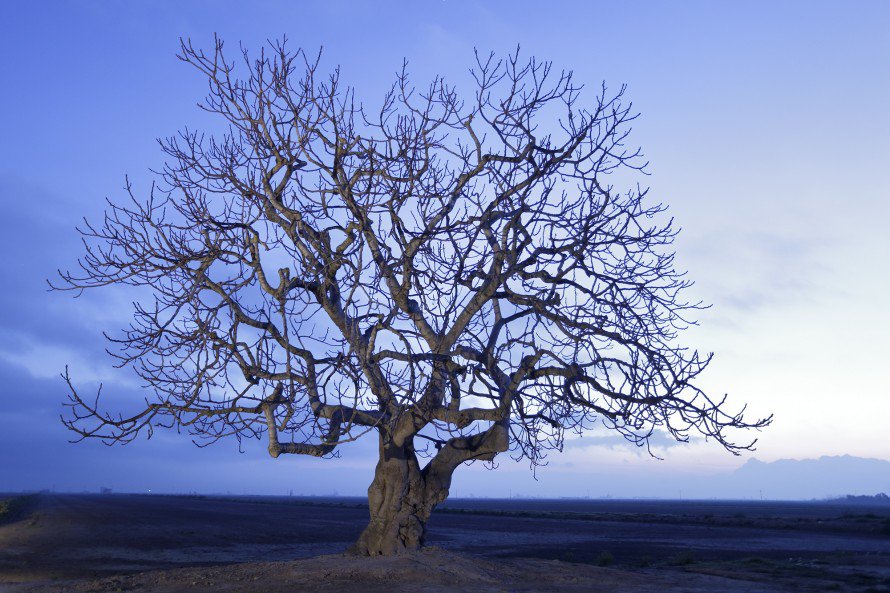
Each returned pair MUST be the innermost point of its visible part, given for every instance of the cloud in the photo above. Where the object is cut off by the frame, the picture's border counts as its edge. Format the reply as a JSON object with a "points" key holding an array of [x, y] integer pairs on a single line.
{"points": [[743, 272], [39, 329], [167, 462], [601, 436]]}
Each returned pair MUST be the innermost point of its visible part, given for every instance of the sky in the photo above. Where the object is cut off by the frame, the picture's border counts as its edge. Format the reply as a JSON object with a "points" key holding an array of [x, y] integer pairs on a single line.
{"points": [[767, 129]]}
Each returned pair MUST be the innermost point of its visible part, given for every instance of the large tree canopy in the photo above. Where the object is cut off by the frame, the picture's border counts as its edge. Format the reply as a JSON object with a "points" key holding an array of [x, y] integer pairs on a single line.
{"points": [[455, 273]]}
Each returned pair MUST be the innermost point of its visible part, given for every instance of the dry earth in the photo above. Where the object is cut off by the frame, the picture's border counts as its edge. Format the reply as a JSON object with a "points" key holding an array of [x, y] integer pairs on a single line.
{"points": [[157, 544], [431, 571]]}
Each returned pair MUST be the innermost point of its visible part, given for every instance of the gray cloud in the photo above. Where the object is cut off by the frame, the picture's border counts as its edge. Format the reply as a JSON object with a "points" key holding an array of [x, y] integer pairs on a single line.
{"points": [[746, 272]]}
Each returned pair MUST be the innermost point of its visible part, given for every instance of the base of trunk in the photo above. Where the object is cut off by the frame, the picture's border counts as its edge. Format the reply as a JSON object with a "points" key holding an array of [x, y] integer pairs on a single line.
{"points": [[401, 535]]}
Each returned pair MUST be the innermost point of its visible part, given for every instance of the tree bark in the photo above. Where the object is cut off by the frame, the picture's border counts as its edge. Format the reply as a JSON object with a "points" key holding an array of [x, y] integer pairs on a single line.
{"points": [[400, 500], [402, 496]]}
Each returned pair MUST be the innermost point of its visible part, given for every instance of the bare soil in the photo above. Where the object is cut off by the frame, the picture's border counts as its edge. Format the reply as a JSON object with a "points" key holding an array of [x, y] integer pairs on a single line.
{"points": [[166, 544]]}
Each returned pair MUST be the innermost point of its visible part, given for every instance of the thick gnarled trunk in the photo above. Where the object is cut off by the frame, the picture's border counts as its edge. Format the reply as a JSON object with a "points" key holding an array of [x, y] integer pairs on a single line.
{"points": [[402, 495], [400, 500]]}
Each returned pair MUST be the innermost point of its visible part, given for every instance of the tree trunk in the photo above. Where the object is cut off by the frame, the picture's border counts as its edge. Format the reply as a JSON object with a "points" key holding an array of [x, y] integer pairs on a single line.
{"points": [[400, 500], [402, 496]]}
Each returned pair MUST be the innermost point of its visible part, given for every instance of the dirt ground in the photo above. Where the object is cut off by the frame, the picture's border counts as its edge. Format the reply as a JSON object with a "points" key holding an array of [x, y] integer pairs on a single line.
{"points": [[431, 571], [166, 544]]}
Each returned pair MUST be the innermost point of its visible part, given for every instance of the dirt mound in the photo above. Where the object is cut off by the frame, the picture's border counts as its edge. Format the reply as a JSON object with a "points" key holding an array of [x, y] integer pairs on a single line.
{"points": [[431, 571]]}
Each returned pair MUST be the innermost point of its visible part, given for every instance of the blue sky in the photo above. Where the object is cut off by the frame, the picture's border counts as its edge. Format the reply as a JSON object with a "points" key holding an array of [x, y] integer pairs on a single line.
{"points": [[766, 125]]}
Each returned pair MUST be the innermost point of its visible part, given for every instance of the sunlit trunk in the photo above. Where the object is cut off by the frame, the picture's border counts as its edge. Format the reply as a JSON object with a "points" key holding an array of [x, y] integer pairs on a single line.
{"points": [[400, 500]]}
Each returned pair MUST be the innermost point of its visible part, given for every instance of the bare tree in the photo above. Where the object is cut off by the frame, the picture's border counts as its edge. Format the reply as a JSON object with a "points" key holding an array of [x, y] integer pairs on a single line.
{"points": [[456, 276]]}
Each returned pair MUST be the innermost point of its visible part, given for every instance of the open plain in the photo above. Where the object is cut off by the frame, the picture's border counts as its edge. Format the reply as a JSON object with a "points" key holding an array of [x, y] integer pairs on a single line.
{"points": [[155, 543]]}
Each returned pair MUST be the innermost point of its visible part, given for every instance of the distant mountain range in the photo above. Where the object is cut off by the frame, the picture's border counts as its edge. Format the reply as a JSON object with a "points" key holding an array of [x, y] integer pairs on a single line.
{"points": [[825, 477]]}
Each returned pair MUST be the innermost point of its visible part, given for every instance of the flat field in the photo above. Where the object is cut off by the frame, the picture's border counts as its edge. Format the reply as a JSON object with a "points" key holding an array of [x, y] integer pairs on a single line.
{"points": [[155, 543]]}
